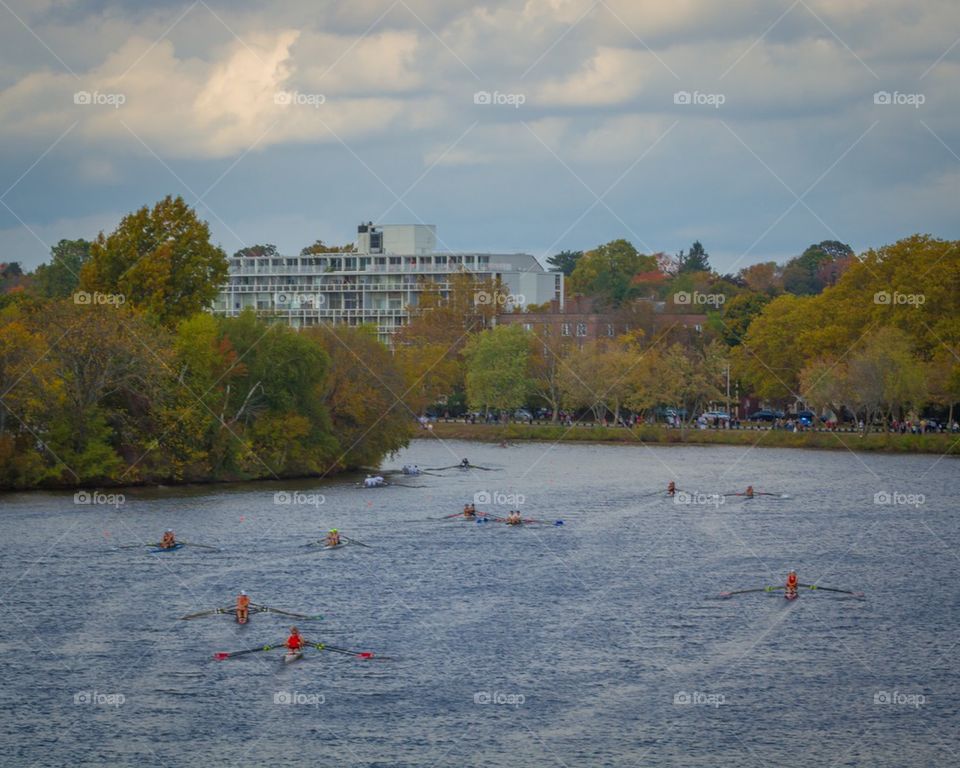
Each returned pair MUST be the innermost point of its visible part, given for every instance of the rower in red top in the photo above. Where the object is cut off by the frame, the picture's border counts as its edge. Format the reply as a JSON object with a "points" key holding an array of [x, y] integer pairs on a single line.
{"points": [[294, 642], [169, 540], [749, 492], [790, 590], [243, 607], [671, 488]]}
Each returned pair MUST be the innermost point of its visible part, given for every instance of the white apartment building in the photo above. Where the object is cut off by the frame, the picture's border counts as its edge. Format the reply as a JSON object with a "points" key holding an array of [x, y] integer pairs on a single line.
{"points": [[375, 284]]}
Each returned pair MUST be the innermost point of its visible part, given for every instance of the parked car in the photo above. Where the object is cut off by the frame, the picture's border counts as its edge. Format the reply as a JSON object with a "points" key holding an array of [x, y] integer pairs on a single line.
{"points": [[522, 414], [807, 418], [765, 414]]}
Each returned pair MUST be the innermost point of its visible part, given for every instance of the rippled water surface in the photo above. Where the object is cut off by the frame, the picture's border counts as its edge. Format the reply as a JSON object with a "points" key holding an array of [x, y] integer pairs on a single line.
{"points": [[588, 637]]}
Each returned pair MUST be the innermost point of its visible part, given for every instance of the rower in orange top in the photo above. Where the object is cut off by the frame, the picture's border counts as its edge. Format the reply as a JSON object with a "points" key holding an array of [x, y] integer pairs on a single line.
{"points": [[514, 518], [749, 492], [169, 539], [243, 607], [790, 590], [294, 642], [469, 511], [671, 488]]}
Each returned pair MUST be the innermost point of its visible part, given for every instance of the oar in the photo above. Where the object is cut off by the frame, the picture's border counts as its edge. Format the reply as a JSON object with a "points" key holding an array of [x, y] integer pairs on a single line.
{"points": [[347, 651], [201, 546], [358, 543], [725, 595], [211, 612], [230, 654], [832, 589], [268, 609], [137, 546]]}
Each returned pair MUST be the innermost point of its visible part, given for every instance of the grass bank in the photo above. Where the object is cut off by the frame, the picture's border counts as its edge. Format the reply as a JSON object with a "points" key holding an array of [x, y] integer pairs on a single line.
{"points": [[876, 442]]}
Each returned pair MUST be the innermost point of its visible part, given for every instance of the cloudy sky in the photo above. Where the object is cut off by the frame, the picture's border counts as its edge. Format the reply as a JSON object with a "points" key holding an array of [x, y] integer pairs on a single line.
{"points": [[756, 126]]}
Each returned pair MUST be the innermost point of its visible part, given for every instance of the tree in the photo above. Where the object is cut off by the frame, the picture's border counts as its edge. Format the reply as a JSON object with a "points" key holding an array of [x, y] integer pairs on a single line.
{"points": [[818, 266], [764, 277], [607, 272], [320, 247], [884, 377], [265, 251], [738, 313], [160, 260], [431, 372], [565, 261], [60, 278], [497, 368], [696, 260], [363, 394]]}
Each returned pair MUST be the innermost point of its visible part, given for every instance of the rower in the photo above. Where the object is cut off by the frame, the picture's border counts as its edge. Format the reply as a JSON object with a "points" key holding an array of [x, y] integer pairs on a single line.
{"points": [[749, 492], [464, 464], [295, 641], [790, 590], [169, 540], [469, 511], [243, 607], [514, 518], [333, 538], [671, 488]]}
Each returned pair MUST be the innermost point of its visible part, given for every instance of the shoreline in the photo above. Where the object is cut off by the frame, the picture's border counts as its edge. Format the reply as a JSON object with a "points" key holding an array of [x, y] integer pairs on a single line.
{"points": [[946, 444]]}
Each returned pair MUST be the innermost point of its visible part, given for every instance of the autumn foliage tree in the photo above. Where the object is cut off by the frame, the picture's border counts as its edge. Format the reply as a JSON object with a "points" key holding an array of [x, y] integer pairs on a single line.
{"points": [[160, 260]]}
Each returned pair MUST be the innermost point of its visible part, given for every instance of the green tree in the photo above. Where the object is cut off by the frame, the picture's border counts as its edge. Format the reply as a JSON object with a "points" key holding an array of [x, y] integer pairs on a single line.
{"points": [[696, 260], [565, 261], [264, 251], [497, 368], [737, 314], [607, 272], [160, 260], [60, 278]]}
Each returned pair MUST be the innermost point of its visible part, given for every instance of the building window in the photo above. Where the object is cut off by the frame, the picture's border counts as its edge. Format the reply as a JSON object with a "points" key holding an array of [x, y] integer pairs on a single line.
{"points": [[565, 329], [394, 261], [581, 329]]}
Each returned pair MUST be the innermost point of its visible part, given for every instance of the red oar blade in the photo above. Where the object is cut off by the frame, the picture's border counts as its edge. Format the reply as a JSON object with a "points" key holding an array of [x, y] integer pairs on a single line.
{"points": [[221, 656]]}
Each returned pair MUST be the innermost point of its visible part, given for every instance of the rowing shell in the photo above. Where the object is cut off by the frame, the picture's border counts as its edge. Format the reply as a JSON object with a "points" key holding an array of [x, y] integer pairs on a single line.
{"points": [[174, 548], [291, 656]]}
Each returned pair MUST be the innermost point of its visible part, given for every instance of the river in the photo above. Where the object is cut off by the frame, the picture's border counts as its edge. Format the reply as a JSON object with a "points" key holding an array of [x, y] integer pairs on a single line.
{"points": [[586, 644]]}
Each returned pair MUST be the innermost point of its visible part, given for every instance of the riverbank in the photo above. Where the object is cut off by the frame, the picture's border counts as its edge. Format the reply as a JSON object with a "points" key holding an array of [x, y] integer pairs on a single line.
{"points": [[935, 443]]}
